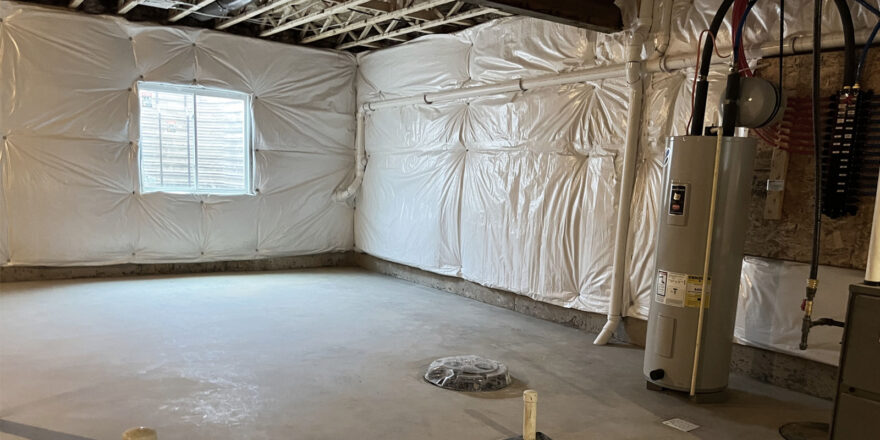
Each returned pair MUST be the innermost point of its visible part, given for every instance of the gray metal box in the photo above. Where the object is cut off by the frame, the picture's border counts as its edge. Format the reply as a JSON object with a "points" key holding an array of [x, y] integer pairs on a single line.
{"points": [[857, 406]]}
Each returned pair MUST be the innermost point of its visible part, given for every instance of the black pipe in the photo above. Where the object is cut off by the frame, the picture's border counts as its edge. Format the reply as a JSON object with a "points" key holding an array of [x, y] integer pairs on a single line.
{"points": [[827, 321], [849, 43], [702, 89], [812, 283], [849, 75], [817, 134], [730, 105]]}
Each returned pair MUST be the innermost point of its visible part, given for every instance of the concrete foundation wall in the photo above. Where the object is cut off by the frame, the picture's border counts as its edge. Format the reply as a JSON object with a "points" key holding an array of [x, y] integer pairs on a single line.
{"points": [[778, 369], [10, 274]]}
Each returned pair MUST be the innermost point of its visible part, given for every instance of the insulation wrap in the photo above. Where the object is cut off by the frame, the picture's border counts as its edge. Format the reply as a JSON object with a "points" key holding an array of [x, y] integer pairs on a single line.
{"points": [[69, 157]]}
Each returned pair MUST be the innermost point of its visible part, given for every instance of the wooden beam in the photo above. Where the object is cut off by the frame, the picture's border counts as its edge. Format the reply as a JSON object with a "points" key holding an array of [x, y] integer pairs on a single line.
{"points": [[597, 15], [324, 13], [776, 185], [191, 9]]}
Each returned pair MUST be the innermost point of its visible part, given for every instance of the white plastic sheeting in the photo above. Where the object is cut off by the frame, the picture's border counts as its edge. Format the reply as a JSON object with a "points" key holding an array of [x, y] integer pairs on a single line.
{"points": [[769, 313], [515, 191], [68, 114], [519, 191]]}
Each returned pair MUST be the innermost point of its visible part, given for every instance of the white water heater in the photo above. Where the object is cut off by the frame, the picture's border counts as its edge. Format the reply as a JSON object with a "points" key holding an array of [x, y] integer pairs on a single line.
{"points": [[685, 199]]}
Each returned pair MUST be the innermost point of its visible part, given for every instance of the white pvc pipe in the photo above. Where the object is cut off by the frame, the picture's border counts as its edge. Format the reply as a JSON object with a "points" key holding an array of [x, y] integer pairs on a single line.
{"points": [[360, 162], [791, 45], [872, 273], [514, 85], [627, 181], [664, 34]]}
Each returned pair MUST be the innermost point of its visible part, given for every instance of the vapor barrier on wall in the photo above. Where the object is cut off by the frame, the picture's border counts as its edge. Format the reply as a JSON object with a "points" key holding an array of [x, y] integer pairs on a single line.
{"points": [[69, 120], [519, 191], [511, 191], [769, 313]]}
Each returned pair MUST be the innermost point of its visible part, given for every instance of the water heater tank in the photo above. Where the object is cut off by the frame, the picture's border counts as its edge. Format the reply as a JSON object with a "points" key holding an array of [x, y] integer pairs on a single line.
{"points": [[681, 246]]}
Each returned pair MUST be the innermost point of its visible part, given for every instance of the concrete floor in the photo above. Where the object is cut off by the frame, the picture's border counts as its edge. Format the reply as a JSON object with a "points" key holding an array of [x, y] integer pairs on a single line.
{"points": [[324, 354]]}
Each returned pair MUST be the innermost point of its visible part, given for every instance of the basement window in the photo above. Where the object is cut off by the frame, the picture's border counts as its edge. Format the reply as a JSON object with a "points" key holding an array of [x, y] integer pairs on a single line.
{"points": [[194, 140]]}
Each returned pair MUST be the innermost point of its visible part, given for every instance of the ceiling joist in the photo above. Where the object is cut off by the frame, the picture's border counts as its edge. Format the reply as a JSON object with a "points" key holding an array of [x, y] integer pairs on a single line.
{"points": [[340, 24], [190, 10], [313, 17], [127, 5], [597, 15], [270, 6], [415, 28], [392, 15]]}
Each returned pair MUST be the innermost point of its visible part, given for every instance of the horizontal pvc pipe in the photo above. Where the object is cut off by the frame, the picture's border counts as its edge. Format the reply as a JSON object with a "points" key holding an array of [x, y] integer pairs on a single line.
{"points": [[792, 45], [509, 86]]}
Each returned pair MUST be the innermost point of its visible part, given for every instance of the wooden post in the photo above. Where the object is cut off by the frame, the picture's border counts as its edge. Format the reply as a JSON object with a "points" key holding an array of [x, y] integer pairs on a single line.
{"points": [[530, 414], [139, 433], [776, 185]]}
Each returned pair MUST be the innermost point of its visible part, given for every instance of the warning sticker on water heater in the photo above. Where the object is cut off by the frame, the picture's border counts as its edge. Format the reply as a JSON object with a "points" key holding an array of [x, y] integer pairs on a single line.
{"points": [[680, 289]]}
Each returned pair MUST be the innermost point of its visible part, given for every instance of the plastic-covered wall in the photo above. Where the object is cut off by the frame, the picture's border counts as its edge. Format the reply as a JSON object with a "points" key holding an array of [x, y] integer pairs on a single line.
{"points": [[519, 191], [68, 160], [769, 313], [511, 191]]}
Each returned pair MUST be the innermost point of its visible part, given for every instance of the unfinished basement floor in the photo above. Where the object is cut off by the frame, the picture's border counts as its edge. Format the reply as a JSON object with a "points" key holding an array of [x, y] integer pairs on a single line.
{"points": [[324, 354]]}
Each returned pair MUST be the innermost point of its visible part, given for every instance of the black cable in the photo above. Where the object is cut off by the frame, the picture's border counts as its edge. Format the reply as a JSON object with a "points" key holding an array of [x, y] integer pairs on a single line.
{"points": [[737, 40], [817, 133], [702, 88], [827, 321], [812, 283], [730, 103], [864, 58], [849, 43]]}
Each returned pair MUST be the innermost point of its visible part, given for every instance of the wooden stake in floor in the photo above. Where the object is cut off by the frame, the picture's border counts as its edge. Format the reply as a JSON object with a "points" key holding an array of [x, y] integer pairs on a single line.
{"points": [[530, 414], [139, 433], [530, 418]]}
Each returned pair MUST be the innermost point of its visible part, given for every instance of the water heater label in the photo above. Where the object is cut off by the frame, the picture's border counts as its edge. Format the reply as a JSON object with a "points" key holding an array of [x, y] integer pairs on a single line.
{"points": [[677, 199], [680, 289]]}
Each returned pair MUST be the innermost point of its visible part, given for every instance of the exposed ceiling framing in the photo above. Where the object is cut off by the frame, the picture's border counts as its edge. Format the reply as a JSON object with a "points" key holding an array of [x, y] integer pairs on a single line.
{"points": [[597, 15], [353, 25]]}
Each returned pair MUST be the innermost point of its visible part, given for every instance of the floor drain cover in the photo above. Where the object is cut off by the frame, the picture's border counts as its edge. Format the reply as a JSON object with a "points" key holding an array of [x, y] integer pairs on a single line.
{"points": [[468, 373]]}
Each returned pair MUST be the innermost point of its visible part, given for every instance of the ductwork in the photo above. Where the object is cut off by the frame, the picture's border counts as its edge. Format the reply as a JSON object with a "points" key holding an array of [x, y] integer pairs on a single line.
{"points": [[220, 8]]}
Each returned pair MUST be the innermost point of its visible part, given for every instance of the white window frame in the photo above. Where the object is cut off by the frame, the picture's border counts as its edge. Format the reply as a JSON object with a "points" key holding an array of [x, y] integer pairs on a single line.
{"points": [[197, 90]]}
